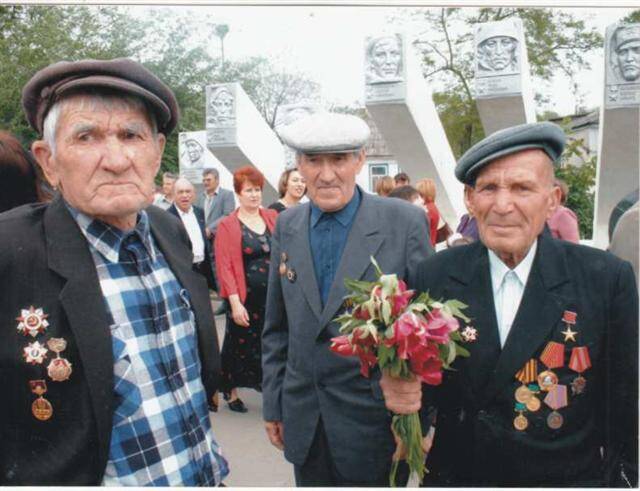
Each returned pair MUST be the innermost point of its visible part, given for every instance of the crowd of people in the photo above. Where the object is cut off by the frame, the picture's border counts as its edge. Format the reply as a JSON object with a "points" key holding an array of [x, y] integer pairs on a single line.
{"points": [[110, 349]]}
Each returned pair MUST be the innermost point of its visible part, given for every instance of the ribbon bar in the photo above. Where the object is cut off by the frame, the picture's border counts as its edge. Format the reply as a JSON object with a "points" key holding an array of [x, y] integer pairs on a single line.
{"points": [[553, 355], [580, 360]]}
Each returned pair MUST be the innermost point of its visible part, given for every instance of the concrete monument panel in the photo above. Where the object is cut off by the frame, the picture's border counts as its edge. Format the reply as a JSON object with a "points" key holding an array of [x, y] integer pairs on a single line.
{"points": [[622, 60], [385, 68], [221, 114]]}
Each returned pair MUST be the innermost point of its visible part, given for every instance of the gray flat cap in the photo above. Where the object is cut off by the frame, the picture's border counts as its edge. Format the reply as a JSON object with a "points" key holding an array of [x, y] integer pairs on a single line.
{"points": [[326, 132], [546, 136], [121, 75]]}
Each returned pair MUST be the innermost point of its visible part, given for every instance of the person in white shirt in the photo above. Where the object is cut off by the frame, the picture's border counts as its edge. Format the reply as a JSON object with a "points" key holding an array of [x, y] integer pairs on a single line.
{"points": [[165, 199], [193, 220]]}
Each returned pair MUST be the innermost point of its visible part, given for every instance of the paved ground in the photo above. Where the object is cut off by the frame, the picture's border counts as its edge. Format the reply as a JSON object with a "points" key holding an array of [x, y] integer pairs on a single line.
{"points": [[252, 459]]}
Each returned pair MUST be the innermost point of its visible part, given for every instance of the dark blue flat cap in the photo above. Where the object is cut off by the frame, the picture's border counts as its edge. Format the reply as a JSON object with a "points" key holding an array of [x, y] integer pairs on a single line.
{"points": [[546, 136]]}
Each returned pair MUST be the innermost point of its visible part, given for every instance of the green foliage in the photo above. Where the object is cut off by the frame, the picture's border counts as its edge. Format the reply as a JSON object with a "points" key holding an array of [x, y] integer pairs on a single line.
{"points": [[581, 181], [632, 18], [164, 40]]}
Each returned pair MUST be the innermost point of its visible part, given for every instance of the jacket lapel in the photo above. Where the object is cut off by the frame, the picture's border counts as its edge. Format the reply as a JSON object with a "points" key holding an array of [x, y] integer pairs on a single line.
{"points": [[296, 244], [82, 300], [472, 285], [364, 241], [540, 309]]}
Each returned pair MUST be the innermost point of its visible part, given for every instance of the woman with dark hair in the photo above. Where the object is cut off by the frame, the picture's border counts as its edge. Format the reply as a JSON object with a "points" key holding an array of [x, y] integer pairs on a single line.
{"points": [[20, 175], [242, 249], [291, 188]]}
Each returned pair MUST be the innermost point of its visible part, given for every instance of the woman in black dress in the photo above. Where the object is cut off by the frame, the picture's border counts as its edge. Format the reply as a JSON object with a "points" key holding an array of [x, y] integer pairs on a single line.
{"points": [[243, 246], [291, 188]]}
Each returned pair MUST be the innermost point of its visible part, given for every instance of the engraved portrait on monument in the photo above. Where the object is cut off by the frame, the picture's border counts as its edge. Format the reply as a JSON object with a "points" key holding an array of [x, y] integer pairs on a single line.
{"points": [[193, 155], [384, 59], [220, 105], [497, 48], [622, 52]]}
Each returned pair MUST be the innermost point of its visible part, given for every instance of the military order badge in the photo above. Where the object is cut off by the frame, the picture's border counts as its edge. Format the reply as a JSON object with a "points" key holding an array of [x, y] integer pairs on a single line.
{"points": [[59, 368], [32, 321], [34, 353]]}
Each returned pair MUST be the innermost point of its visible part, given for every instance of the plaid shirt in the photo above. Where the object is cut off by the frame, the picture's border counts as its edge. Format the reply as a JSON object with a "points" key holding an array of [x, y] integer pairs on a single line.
{"points": [[161, 429]]}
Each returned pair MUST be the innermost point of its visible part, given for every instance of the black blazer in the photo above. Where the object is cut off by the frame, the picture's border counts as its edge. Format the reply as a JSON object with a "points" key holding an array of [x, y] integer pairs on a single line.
{"points": [[475, 442], [45, 262], [205, 268]]}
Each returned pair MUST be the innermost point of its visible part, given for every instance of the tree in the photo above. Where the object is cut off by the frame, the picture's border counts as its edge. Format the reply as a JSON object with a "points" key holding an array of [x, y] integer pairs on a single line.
{"points": [[556, 42]]}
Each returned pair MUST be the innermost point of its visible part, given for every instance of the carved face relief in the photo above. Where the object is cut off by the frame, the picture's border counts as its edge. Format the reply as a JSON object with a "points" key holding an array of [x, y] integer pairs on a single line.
{"points": [[221, 108], [497, 54], [194, 150], [384, 59]]}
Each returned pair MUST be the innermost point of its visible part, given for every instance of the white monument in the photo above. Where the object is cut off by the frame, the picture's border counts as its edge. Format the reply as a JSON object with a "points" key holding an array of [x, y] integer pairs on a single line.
{"points": [[399, 100], [619, 150], [238, 135], [194, 157], [503, 91], [289, 113]]}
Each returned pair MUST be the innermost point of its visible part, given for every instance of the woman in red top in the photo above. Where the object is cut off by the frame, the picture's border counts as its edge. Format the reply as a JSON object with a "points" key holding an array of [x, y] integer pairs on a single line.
{"points": [[427, 189], [243, 246]]}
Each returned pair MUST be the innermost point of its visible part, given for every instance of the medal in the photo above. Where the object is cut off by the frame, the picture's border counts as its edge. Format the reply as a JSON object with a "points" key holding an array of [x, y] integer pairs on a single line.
{"points": [[32, 321], [59, 368], [34, 353], [282, 269], [569, 335], [469, 334], [569, 317], [547, 380], [556, 399], [520, 422], [533, 404], [283, 257], [40, 408], [555, 420], [291, 275], [523, 394], [579, 362]]}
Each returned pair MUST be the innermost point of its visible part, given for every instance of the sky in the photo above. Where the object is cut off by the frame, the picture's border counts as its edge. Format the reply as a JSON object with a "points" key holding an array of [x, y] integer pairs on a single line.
{"points": [[326, 42]]}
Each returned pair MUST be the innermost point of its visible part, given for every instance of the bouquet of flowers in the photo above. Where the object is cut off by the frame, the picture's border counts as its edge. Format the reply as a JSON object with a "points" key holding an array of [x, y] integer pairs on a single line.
{"points": [[388, 326]]}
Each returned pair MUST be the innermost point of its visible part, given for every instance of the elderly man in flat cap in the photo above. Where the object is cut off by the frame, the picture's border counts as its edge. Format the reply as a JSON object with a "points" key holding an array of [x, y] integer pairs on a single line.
{"points": [[331, 421], [549, 395], [108, 351]]}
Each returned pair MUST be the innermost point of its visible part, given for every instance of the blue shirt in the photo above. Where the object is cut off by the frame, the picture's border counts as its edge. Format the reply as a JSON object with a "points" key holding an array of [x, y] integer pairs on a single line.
{"points": [[161, 432], [328, 234]]}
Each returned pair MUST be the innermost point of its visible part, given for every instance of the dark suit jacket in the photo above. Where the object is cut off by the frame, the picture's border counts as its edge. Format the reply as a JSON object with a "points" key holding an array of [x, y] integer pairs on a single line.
{"points": [[302, 379], [222, 205], [476, 443], [45, 262], [205, 268]]}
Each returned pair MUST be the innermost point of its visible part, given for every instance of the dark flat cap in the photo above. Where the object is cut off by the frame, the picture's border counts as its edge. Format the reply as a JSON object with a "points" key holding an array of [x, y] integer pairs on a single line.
{"points": [[546, 136], [120, 75]]}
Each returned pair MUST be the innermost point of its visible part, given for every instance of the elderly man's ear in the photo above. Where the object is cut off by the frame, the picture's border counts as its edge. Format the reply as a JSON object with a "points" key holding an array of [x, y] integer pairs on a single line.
{"points": [[44, 156], [554, 200]]}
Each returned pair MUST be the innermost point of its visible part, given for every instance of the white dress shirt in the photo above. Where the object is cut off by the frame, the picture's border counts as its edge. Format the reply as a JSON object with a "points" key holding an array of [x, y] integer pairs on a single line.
{"points": [[508, 287], [195, 234]]}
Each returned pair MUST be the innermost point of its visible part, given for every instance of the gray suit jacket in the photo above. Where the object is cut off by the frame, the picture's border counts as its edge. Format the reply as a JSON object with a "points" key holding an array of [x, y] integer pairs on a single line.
{"points": [[302, 379], [222, 205]]}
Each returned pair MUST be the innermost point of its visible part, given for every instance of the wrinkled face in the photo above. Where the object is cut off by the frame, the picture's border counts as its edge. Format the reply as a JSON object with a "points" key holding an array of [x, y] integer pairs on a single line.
{"points": [[210, 182], [512, 198], [330, 177], [183, 195], [167, 186], [105, 159], [222, 105], [498, 51], [194, 150], [629, 60], [296, 185], [385, 57], [250, 197]]}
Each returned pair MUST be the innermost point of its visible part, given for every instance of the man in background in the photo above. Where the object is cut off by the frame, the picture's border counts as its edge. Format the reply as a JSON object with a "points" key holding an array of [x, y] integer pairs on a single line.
{"points": [[165, 199]]}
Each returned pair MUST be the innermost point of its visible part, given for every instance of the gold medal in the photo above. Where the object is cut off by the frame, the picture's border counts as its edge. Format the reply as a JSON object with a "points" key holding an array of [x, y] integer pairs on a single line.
{"points": [[282, 269], [555, 420], [533, 404], [520, 422], [59, 368], [547, 380], [523, 394], [40, 408]]}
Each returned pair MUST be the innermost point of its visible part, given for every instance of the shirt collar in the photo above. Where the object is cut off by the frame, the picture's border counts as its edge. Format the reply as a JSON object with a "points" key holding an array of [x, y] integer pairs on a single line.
{"points": [[499, 269], [185, 213], [344, 215], [106, 239]]}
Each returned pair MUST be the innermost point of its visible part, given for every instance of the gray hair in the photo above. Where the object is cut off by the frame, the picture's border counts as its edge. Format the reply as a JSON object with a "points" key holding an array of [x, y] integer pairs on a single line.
{"points": [[91, 101], [211, 171], [183, 181]]}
